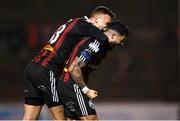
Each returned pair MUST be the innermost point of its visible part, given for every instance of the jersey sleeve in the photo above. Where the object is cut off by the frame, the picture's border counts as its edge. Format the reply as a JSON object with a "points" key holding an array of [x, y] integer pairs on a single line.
{"points": [[88, 29], [89, 51]]}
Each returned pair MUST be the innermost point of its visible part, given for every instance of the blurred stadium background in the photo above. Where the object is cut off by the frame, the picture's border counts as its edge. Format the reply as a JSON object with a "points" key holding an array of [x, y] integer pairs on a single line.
{"points": [[137, 81]]}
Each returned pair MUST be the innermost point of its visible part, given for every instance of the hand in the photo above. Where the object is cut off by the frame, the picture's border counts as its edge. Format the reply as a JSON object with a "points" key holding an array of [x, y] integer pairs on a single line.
{"points": [[92, 94]]}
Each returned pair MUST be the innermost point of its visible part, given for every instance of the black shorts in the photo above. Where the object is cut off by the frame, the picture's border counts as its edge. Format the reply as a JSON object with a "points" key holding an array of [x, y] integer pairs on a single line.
{"points": [[76, 103], [40, 86]]}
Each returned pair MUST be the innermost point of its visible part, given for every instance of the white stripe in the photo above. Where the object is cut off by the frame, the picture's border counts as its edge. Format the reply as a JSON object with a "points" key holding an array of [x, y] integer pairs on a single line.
{"points": [[53, 87], [55, 91], [79, 101], [51, 83], [80, 105], [83, 110], [84, 59], [57, 97], [80, 57], [82, 99], [91, 48], [51, 77], [96, 42]]}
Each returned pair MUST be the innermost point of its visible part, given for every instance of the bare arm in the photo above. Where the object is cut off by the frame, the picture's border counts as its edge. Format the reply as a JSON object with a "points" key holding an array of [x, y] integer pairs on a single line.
{"points": [[75, 71]]}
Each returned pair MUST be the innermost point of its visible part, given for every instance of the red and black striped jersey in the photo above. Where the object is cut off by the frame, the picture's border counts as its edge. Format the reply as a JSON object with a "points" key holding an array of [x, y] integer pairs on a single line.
{"points": [[57, 50]]}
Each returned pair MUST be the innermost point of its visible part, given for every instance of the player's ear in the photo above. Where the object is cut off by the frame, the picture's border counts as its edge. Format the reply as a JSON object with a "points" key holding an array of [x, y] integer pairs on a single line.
{"points": [[96, 20]]}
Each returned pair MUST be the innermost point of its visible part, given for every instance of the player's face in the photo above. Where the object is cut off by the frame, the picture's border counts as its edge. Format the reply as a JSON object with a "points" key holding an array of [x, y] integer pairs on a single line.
{"points": [[102, 20], [115, 38], [120, 39]]}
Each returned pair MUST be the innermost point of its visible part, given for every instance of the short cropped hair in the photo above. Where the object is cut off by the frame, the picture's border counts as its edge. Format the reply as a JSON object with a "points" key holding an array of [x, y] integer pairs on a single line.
{"points": [[103, 10], [118, 26]]}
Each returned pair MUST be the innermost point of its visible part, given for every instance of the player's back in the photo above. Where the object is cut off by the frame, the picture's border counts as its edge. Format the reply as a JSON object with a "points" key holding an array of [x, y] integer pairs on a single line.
{"points": [[58, 48]]}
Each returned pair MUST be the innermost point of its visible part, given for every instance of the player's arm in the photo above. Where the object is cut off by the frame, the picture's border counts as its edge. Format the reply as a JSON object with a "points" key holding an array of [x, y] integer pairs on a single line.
{"points": [[76, 73], [75, 70], [87, 29]]}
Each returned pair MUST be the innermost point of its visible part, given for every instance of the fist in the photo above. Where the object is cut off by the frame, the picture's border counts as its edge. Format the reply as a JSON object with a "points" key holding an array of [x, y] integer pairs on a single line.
{"points": [[92, 94]]}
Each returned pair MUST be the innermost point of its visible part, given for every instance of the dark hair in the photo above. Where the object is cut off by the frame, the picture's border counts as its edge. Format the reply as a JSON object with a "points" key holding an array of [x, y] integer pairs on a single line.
{"points": [[119, 27], [103, 10]]}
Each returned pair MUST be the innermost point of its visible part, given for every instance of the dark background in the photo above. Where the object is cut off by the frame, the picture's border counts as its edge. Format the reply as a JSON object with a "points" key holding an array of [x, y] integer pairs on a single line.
{"points": [[145, 69]]}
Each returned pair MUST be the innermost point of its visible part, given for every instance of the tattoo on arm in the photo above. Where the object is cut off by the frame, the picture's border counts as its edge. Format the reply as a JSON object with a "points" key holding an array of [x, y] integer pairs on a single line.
{"points": [[76, 73]]}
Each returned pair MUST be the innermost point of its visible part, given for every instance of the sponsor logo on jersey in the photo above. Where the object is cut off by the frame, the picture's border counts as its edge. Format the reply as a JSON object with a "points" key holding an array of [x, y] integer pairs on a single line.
{"points": [[70, 105], [94, 46]]}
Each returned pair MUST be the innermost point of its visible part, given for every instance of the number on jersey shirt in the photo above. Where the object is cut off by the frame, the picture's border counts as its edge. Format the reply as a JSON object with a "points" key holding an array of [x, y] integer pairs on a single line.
{"points": [[55, 36]]}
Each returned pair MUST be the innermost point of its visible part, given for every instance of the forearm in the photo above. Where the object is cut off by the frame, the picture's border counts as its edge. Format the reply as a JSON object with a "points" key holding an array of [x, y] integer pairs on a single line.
{"points": [[78, 77], [76, 74]]}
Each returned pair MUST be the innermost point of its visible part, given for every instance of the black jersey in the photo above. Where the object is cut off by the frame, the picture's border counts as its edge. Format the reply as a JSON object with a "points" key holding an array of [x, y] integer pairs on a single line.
{"points": [[58, 48], [90, 51]]}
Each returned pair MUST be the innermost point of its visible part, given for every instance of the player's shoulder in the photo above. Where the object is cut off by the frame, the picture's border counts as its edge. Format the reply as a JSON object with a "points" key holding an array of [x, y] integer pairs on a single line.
{"points": [[90, 40], [84, 20]]}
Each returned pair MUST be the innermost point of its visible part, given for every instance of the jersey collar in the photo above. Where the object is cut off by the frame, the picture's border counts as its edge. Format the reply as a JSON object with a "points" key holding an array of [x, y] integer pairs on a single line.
{"points": [[87, 19]]}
